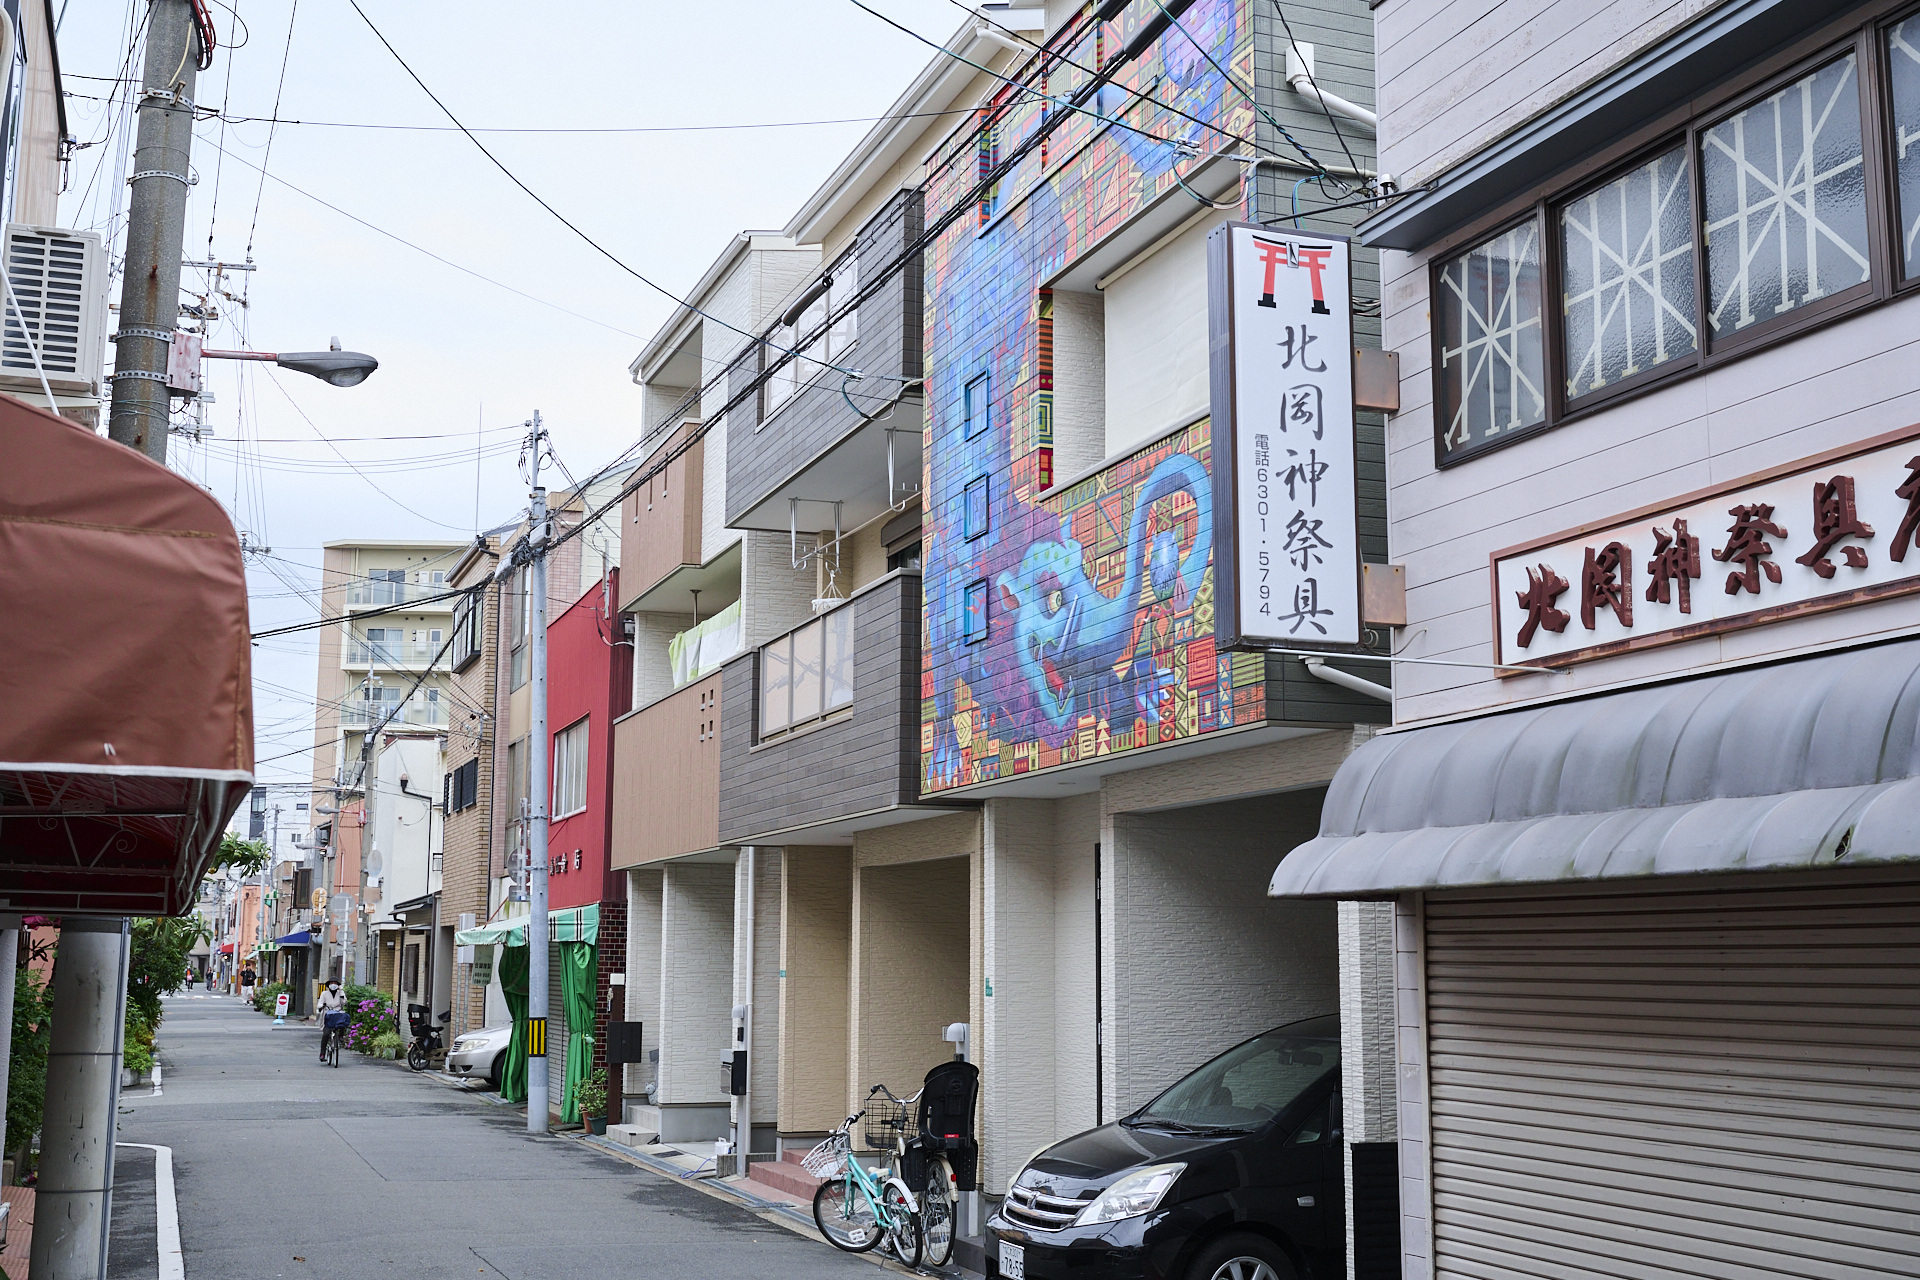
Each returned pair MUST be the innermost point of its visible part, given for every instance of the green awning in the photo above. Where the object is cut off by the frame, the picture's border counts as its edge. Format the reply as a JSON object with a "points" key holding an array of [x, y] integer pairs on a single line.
{"points": [[573, 924]]}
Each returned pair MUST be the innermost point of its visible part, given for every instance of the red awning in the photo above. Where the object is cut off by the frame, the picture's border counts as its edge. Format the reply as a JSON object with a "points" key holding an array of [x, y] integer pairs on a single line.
{"points": [[226, 948], [126, 740]]}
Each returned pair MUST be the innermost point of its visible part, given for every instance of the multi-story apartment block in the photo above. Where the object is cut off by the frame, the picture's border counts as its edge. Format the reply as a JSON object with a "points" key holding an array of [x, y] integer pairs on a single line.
{"points": [[1648, 836], [382, 677], [473, 860]]}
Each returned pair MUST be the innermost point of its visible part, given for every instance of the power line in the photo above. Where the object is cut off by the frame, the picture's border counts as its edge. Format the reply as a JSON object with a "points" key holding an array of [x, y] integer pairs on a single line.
{"points": [[564, 221], [447, 262], [410, 606]]}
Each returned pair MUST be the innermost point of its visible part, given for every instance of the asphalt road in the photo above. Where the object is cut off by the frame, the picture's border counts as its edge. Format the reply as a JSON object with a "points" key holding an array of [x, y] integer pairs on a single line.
{"points": [[285, 1167]]}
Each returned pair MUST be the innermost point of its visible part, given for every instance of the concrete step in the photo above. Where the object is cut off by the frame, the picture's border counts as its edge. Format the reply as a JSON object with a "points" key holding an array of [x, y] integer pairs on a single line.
{"points": [[632, 1135], [785, 1175]]}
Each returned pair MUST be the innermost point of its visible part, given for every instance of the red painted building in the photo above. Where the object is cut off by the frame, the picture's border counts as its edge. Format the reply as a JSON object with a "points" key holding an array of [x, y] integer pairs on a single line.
{"points": [[589, 683]]}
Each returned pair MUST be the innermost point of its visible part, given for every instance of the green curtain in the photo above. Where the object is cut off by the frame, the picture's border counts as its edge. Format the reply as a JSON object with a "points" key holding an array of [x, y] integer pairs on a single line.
{"points": [[512, 970], [579, 965]]}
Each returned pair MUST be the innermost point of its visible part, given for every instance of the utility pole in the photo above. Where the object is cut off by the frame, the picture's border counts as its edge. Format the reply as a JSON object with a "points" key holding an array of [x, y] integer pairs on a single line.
{"points": [[538, 760], [156, 230]]}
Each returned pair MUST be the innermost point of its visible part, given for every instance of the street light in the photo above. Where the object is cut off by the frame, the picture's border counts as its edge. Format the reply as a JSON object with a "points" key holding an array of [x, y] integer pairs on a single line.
{"points": [[340, 368]]}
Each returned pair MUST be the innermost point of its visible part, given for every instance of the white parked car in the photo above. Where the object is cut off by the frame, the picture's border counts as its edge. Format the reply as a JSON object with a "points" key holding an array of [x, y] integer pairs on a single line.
{"points": [[480, 1053]]}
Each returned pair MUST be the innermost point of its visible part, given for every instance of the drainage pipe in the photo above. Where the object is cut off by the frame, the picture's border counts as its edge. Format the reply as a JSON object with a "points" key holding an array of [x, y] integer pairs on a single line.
{"points": [[1318, 668]]}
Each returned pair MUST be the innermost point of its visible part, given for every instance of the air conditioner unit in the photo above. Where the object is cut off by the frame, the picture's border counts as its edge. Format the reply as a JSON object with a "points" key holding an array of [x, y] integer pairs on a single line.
{"points": [[59, 280]]}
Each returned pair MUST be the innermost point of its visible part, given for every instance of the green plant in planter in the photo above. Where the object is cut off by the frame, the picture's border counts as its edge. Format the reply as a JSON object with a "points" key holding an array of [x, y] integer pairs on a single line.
{"points": [[592, 1096], [387, 1045]]}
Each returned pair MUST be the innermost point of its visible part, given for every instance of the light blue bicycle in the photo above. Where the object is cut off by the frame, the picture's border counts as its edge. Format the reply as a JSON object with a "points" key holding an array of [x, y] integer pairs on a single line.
{"points": [[856, 1208]]}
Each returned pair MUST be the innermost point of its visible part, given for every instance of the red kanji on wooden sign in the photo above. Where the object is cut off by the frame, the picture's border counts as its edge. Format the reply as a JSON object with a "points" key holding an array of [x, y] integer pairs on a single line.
{"points": [[1910, 490]]}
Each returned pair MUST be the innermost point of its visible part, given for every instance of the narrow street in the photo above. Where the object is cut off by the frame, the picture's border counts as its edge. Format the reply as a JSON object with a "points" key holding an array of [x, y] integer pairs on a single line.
{"points": [[285, 1167]]}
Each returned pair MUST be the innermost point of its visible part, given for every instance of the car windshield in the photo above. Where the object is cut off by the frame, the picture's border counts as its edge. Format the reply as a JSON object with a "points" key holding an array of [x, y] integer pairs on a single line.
{"points": [[1249, 1084]]}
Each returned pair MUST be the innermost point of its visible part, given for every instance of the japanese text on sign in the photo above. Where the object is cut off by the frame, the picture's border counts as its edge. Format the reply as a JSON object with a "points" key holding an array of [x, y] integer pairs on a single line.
{"points": [[1829, 532], [1288, 570]]}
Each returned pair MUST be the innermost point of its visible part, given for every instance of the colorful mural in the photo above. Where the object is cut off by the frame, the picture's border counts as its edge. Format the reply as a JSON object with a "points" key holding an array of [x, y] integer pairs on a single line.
{"points": [[1098, 628]]}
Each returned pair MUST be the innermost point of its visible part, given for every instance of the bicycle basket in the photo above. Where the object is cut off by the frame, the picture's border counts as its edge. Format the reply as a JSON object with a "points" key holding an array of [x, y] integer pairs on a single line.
{"points": [[335, 1018], [886, 1119], [827, 1159]]}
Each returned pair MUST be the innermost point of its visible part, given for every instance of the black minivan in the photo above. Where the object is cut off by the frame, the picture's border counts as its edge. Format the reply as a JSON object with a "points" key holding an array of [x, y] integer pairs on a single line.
{"points": [[1235, 1173]]}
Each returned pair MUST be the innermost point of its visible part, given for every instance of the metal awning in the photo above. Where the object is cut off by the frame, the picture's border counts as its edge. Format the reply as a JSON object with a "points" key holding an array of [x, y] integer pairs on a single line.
{"points": [[570, 924], [1814, 762], [127, 737]]}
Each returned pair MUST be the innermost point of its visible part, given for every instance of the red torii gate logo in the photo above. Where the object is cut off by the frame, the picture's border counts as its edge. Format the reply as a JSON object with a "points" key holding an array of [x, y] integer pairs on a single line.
{"points": [[1287, 254]]}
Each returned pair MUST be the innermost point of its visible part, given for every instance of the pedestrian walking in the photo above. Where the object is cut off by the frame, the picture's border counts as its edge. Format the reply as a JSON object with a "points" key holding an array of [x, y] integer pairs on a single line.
{"points": [[247, 978]]}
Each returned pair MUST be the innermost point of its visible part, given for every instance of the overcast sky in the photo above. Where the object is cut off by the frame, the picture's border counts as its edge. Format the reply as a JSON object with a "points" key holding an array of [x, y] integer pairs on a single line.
{"points": [[458, 354]]}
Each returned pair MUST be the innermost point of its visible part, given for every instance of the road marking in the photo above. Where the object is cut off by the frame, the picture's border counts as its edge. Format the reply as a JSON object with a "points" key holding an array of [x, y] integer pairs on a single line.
{"points": [[173, 1264]]}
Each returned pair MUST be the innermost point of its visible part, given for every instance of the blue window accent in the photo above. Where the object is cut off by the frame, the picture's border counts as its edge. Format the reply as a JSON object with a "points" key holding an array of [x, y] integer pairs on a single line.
{"points": [[973, 510], [974, 401], [976, 612]]}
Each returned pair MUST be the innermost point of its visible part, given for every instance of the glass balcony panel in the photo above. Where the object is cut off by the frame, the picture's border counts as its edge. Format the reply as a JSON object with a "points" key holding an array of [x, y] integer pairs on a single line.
{"points": [[839, 658], [807, 661], [776, 661]]}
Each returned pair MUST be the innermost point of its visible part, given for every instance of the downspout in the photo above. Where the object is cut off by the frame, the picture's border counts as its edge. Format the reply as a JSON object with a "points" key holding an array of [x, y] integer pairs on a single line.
{"points": [[743, 1125], [1318, 668]]}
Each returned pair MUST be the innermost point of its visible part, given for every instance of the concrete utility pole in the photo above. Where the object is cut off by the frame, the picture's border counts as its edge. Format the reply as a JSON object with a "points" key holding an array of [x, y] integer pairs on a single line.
{"points": [[156, 230], [75, 1196], [537, 782]]}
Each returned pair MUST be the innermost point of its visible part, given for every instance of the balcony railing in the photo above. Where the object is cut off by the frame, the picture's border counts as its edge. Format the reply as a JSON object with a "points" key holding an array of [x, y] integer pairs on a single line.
{"points": [[666, 787], [373, 594], [363, 714], [392, 653]]}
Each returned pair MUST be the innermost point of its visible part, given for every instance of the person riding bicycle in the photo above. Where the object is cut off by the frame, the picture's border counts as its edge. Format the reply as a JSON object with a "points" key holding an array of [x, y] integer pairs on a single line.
{"points": [[332, 1007]]}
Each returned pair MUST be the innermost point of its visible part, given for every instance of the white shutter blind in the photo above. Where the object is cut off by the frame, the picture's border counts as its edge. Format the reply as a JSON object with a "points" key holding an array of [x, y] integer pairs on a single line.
{"points": [[1712, 1081]]}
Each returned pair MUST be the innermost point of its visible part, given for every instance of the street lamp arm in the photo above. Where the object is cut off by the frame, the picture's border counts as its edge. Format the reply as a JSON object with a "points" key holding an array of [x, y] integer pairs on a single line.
{"points": [[239, 355]]}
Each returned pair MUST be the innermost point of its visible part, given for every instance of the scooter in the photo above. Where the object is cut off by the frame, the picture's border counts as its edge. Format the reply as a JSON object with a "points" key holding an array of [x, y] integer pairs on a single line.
{"points": [[428, 1047]]}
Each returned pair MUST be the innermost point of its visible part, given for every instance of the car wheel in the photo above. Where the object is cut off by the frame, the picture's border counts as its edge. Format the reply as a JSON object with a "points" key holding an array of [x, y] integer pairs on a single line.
{"points": [[493, 1074], [1242, 1257]]}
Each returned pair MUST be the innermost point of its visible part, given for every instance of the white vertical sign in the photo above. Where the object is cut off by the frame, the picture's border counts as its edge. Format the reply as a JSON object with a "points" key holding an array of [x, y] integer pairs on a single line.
{"points": [[1287, 546]]}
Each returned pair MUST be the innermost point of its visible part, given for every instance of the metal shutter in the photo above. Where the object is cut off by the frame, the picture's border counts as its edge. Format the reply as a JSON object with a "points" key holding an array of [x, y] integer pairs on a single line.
{"points": [[1712, 1079]]}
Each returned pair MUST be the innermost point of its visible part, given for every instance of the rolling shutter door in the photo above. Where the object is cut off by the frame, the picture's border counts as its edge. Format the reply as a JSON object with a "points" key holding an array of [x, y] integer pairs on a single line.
{"points": [[1714, 1081]]}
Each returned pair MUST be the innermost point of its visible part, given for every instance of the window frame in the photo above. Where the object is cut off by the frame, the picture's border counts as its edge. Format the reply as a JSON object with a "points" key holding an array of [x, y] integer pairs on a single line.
{"points": [[575, 733], [1865, 36], [984, 380]]}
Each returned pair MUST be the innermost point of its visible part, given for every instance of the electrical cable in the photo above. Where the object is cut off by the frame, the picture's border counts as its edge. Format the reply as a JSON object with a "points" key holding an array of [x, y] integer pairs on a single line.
{"points": [[447, 262], [602, 250], [1245, 92], [286, 54], [1324, 108]]}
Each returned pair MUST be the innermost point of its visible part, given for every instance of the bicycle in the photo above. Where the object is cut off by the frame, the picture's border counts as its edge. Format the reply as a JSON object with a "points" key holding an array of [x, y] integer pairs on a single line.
{"points": [[856, 1208], [333, 1030]]}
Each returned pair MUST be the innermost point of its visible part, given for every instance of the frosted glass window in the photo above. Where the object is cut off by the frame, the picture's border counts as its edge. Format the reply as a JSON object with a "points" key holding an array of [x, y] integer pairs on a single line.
{"points": [[1627, 251], [1903, 65], [1492, 355], [1786, 200]]}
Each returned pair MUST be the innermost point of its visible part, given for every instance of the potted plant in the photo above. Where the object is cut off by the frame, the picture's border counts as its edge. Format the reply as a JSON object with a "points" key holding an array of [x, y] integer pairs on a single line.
{"points": [[592, 1097], [387, 1045]]}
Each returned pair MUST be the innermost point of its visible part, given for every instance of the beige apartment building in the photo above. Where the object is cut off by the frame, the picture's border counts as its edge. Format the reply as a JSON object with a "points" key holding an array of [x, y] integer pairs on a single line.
{"points": [[393, 633]]}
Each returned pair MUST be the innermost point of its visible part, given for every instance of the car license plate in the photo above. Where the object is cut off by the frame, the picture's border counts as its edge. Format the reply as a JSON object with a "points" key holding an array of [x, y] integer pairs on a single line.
{"points": [[1013, 1262]]}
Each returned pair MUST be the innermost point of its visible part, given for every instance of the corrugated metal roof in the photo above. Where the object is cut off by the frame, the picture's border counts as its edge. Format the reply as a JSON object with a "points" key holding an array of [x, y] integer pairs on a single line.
{"points": [[1814, 762]]}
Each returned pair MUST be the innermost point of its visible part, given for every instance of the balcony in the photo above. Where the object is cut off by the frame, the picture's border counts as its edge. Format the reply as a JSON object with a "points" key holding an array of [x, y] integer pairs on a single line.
{"points": [[822, 725], [415, 713], [666, 776], [365, 593], [823, 443], [391, 653]]}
